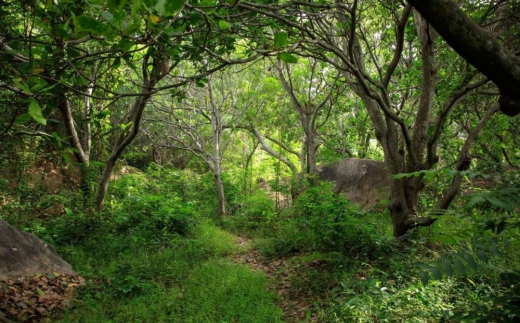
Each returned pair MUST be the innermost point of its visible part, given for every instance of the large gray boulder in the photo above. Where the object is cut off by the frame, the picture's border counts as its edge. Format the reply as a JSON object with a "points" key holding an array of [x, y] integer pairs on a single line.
{"points": [[362, 181], [24, 254]]}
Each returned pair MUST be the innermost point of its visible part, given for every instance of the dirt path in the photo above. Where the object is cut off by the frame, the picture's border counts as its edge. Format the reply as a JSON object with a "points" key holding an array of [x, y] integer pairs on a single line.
{"points": [[279, 272]]}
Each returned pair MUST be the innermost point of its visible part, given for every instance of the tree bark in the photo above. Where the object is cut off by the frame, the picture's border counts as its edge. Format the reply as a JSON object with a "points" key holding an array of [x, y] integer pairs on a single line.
{"points": [[82, 155], [220, 191], [464, 160], [478, 47], [216, 128], [124, 140]]}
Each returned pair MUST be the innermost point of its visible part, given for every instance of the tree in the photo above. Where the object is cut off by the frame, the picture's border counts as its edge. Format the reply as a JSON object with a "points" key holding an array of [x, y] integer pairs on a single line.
{"points": [[477, 46], [398, 94], [80, 48], [204, 120], [312, 99]]}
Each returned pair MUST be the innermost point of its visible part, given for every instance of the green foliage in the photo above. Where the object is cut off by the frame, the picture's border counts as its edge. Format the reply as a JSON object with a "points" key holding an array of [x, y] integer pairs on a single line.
{"points": [[288, 58], [198, 190], [320, 220], [490, 237], [139, 268], [255, 213], [218, 241], [136, 208], [72, 228]]}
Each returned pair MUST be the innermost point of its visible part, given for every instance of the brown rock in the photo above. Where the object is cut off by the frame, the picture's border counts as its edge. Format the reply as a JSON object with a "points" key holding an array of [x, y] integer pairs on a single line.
{"points": [[362, 181], [24, 254]]}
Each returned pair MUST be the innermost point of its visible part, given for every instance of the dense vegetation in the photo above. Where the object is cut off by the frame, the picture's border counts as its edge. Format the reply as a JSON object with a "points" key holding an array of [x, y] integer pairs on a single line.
{"points": [[171, 151]]}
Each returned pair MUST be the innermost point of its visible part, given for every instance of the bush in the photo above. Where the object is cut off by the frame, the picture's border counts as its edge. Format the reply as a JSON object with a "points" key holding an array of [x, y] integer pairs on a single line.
{"points": [[256, 213], [153, 213], [320, 220], [71, 228]]}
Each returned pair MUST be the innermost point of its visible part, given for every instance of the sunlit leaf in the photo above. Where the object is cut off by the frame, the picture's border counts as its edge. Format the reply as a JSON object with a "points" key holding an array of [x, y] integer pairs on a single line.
{"points": [[155, 19], [288, 58], [38, 70], [222, 24], [36, 112], [280, 40]]}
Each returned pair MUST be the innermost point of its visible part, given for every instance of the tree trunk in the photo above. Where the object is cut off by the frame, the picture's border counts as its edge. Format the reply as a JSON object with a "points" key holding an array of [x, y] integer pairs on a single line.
{"points": [[220, 191], [477, 46], [124, 140], [310, 146], [82, 155]]}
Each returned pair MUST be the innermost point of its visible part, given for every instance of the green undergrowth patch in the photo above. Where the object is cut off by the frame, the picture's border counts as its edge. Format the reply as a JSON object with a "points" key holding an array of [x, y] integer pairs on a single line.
{"points": [[347, 264], [184, 279], [222, 243], [152, 256]]}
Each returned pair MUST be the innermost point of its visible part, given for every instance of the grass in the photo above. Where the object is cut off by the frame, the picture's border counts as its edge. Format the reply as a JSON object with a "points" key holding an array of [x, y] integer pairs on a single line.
{"points": [[152, 258], [186, 279]]}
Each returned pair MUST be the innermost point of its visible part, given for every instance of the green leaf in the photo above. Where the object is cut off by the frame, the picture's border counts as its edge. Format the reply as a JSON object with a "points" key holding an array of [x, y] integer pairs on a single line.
{"points": [[501, 226], [424, 278], [24, 118], [117, 63], [67, 158], [510, 278], [287, 58], [125, 125], [436, 272], [222, 24], [471, 262], [460, 266], [495, 251], [447, 268], [280, 40], [88, 24], [482, 256], [169, 7], [19, 83], [36, 112], [499, 203], [125, 44]]}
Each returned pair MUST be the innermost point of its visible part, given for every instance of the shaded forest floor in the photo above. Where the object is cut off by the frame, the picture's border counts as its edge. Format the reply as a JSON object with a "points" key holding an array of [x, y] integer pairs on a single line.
{"points": [[158, 254], [295, 302]]}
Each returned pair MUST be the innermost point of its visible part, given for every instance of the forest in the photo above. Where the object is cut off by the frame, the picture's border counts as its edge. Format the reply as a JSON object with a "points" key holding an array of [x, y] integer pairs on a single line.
{"points": [[233, 161]]}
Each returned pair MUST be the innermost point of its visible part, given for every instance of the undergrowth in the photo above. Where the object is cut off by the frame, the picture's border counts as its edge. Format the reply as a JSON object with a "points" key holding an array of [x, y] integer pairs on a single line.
{"points": [[158, 254], [153, 256]]}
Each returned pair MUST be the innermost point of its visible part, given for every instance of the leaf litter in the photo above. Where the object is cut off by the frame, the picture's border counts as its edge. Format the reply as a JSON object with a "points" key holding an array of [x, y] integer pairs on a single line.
{"points": [[295, 301], [34, 299]]}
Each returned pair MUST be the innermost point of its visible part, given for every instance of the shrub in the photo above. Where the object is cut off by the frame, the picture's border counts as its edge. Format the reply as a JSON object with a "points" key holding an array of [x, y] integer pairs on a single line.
{"points": [[320, 220], [256, 212]]}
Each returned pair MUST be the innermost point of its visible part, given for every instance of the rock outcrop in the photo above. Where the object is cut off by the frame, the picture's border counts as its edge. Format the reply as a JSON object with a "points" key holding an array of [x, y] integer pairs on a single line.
{"points": [[362, 181], [24, 254]]}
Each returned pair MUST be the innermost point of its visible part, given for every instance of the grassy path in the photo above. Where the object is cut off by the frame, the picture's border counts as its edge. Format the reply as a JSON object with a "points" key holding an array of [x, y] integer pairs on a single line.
{"points": [[280, 274], [191, 280]]}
